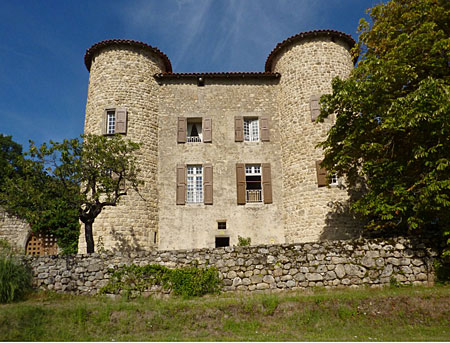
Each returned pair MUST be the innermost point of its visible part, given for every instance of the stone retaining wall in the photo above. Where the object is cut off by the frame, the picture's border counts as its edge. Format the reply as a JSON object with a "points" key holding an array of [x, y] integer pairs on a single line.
{"points": [[265, 267]]}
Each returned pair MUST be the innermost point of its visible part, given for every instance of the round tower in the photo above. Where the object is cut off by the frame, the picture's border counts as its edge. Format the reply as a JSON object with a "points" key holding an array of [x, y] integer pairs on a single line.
{"points": [[121, 85], [307, 63]]}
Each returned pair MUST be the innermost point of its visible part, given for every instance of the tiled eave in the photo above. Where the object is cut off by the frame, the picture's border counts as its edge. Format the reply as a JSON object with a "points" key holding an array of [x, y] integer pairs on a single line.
{"points": [[89, 55], [223, 75], [305, 35]]}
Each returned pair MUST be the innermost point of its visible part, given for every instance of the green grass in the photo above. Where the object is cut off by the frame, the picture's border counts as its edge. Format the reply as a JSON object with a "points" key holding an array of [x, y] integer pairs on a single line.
{"points": [[392, 314]]}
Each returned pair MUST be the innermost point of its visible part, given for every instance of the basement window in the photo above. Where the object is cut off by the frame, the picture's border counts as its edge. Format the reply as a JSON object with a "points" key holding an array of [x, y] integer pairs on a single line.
{"points": [[222, 225], [222, 242]]}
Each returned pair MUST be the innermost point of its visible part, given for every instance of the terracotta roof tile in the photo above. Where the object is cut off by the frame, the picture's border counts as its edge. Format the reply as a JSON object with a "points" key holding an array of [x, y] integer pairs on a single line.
{"points": [[218, 75], [303, 35], [96, 47]]}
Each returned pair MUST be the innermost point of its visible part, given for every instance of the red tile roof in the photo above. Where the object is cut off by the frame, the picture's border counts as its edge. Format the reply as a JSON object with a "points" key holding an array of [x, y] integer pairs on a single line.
{"points": [[111, 42], [303, 35], [222, 75]]}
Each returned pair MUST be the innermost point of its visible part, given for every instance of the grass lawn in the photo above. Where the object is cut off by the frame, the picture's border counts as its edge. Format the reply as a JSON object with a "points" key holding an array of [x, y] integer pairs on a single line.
{"points": [[390, 314]]}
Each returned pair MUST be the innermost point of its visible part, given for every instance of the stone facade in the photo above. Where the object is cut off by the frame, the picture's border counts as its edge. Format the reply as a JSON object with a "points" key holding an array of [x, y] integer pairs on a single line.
{"points": [[14, 231], [138, 78], [328, 264]]}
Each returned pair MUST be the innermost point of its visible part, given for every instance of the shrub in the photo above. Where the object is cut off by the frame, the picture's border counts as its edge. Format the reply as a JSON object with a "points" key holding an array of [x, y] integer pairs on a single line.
{"points": [[15, 278], [243, 242], [191, 281]]}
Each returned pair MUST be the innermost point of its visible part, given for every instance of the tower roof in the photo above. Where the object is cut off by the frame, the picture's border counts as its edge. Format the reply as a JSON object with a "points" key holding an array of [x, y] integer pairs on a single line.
{"points": [[304, 35], [111, 42]]}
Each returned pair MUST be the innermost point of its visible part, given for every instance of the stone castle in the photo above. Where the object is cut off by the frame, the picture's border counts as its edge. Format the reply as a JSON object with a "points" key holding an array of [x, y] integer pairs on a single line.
{"points": [[223, 154]]}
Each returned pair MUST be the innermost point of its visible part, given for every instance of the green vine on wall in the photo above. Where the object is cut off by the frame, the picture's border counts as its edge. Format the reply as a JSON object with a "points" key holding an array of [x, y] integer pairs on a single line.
{"points": [[190, 281]]}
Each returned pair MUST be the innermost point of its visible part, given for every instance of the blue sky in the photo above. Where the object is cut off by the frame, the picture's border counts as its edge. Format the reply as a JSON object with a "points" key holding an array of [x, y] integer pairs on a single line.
{"points": [[43, 80]]}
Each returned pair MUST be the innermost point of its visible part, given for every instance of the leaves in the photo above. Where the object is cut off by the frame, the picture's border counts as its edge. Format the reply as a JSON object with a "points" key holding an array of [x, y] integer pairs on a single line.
{"points": [[392, 129]]}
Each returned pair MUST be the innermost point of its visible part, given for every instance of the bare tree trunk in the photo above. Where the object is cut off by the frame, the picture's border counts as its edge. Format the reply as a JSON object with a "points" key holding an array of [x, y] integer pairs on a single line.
{"points": [[89, 237]]}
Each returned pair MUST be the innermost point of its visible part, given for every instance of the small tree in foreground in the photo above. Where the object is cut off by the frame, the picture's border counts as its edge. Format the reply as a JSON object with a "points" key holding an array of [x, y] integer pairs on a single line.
{"points": [[393, 117], [96, 173], [73, 179]]}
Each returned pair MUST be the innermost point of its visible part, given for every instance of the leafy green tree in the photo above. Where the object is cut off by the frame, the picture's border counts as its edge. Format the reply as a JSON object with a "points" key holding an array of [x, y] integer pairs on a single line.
{"points": [[94, 173], [392, 129], [29, 192], [10, 153]]}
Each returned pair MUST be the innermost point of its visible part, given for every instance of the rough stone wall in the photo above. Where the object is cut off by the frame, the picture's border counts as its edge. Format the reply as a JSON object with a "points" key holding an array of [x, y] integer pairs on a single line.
{"points": [[326, 264], [307, 67], [195, 225], [123, 77], [14, 230]]}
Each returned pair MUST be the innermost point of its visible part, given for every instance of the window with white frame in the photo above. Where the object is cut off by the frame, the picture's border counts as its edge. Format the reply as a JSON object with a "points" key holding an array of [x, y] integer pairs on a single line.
{"points": [[110, 122], [334, 180], [253, 185], [251, 129], [194, 184], [194, 130]]}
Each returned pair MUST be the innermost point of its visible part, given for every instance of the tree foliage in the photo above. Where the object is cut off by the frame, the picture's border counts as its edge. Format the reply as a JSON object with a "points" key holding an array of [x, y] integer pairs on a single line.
{"points": [[61, 184], [94, 172], [29, 192], [392, 129]]}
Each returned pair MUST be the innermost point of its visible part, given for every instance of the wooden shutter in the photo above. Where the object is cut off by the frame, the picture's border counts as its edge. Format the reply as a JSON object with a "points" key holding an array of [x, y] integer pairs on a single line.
{"points": [[121, 120], [267, 183], [208, 184], [321, 175], [238, 129], [264, 128], [207, 130], [104, 122], [315, 107], [240, 183], [182, 128], [181, 184]]}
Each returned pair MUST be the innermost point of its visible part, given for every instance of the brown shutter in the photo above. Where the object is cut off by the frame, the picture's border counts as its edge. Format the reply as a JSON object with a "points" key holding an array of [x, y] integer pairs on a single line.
{"points": [[264, 128], [181, 135], [238, 129], [181, 184], [240, 183], [121, 120], [207, 130], [267, 183], [315, 107], [208, 184], [104, 118], [321, 175]]}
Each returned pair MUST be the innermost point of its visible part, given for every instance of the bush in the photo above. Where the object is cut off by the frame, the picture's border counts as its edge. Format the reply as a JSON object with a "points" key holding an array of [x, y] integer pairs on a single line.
{"points": [[15, 278], [243, 242], [191, 281]]}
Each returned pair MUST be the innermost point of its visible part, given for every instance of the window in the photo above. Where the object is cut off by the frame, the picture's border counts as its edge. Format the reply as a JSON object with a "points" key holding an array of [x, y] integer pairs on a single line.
{"points": [[111, 122], [114, 121], [314, 105], [334, 180], [251, 129], [322, 176], [222, 225], [254, 183], [222, 242], [194, 130], [194, 184], [253, 186]]}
